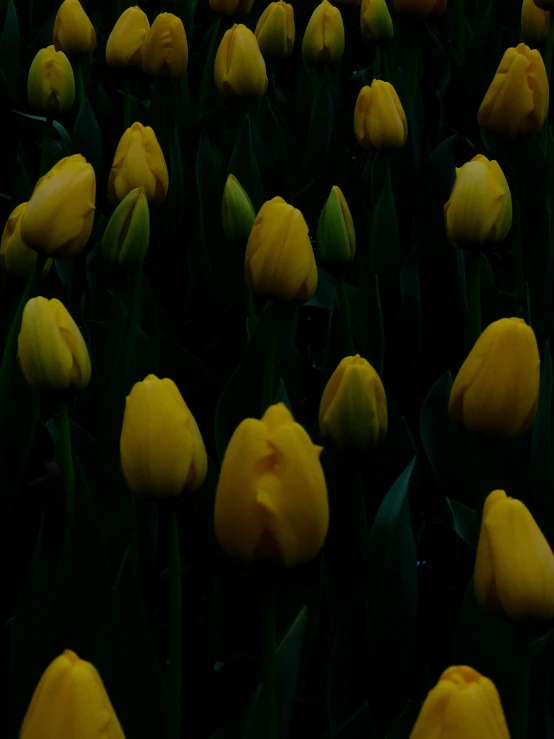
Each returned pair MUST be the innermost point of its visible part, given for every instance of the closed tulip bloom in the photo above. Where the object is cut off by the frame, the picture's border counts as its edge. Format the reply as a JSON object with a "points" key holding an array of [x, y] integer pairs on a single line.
{"points": [[139, 162], [379, 118], [165, 51], [239, 67], [16, 258], [60, 214], [517, 100], [125, 41], [162, 452], [50, 85], [51, 350], [375, 21], [73, 31], [280, 261], [496, 391], [480, 206], [323, 40], [70, 702], [271, 499], [237, 211], [336, 237], [275, 31], [420, 8], [232, 7], [534, 23], [462, 704], [127, 235]]}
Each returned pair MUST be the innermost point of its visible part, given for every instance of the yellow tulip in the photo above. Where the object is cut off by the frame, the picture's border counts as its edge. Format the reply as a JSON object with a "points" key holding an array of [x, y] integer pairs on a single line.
{"points": [[127, 235], [16, 258], [517, 100], [51, 350], [73, 31], [280, 261], [420, 8], [239, 67], [480, 204], [375, 21], [232, 7], [275, 31], [496, 391], [70, 702], [60, 214], [162, 452], [324, 36], [139, 162], [124, 45], [237, 211], [514, 568], [50, 85], [271, 499], [165, 51], [336, 237], [534, 23], [462, 704], [379, 118]]}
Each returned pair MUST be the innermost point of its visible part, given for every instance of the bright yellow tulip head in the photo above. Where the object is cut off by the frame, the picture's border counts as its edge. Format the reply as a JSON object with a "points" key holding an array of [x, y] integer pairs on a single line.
{"points": [[375, 21], [232, 7], [239, 67], [237, 211], [514, 569], [139, 162], [271, 500], [323, 40], [59, 216], [480, 206], [496, 391], [162, 452], [73, 31], [124, 45], [70, 701], [534, 23], [280, 260], [127, 235], [275, 31], [165, 51], [517, 100], [16, 258], [462, 704], [50, 85], [336, 237], [52, 353], [420, 8], [379, 118]]}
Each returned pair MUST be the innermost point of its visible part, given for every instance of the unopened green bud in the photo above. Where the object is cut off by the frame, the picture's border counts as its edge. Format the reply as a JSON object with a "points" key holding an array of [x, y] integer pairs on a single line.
{"points": [[336, 238], [237, 211], [127, 234]]}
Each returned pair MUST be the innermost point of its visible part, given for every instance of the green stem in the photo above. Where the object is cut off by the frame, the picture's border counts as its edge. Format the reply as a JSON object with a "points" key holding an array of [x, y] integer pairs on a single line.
{"points": [[66, 457], [46, 143], [519, 277], [134, 318], [344, 312], [175, 629], [80, 83], [127, 103], [271, 351], [268, 653], [461, 30], [475, 294]]}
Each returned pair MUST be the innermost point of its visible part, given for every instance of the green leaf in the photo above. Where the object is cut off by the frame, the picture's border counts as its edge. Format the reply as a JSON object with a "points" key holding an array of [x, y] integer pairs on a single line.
{"points": [[244, 165], [87, 139], [466, 522], [402, 727], [541, 502], [214, 36], [384, 247], [322, 119], [356, 727], [10, 50], [371, 332], [540, 716], [440, 66], [436, 431]]}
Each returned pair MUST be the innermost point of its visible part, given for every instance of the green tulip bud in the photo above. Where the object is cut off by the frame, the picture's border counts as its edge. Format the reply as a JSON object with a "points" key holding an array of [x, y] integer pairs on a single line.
{"points": [[127, 234], [237, 211], [336, 237]]}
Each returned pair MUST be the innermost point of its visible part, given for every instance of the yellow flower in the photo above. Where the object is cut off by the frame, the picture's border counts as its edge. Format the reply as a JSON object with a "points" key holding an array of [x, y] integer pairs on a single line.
{"points": [[51, 350], [375, 21], [239, 68], [70, 701], [517, 100], [275, 30], [165, 51], [534, 23], [379, 118], [50, 85], [324, 36], [271, 499], [232, 7], [420, 8], [280, 261], [480, 204], [60, 214], [127, 235], [139, 162], [353, 409], [125, 41], [514, 569], [237, 211], [496, 391], [16, 258], [336, 237], [73, 31], [162, 452], [462, 704]]}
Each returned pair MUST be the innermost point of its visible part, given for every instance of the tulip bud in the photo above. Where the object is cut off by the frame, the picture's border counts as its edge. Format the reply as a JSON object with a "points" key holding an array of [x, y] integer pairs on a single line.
{"points": [[126, 39], [162, 452], [280, 261], [237, 211], [516, 103], [139, 162], [336, 237], [375, 21], [16, 259], [480, 206], [127, 234], [73, 31], [379, 118], [534, 23], [514, 568], [496, 391], [232, 7], [420, 8], [271, 499], [324, 36], [165, 51], [239, 68], [70, 701], [50, 85], [51, 350], [275, 31], [462, 704], [60, 214]]}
